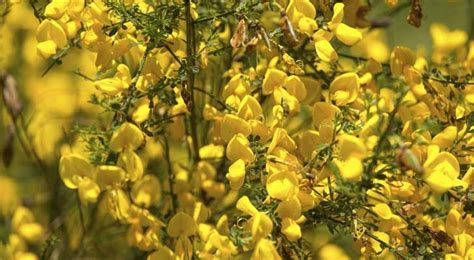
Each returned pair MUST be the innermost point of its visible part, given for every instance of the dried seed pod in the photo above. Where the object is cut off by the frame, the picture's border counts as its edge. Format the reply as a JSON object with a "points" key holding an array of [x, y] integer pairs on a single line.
{"points": [[415, 14], [186, 95], [240, 36], [264, 36], [440, 236], [10, 95], [287, 28], [407, 160], [252, 44]]}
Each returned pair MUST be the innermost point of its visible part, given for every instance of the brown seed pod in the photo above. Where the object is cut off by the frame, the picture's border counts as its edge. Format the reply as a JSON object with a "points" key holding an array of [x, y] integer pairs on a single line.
{"points": [[415, 14], [186, 95], [440, 236], [251, 45], [287, 28], [240, 36], [407, 160], [264, 36], [10, 94]]}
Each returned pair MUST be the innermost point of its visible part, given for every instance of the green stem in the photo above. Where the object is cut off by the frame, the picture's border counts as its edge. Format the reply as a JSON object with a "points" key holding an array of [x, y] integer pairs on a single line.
{"points": [[384, 135], [191, 63], [174, 205]]}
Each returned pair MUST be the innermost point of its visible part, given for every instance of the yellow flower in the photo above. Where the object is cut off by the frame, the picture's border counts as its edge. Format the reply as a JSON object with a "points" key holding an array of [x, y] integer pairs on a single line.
{"points": [[308, 142], [289, 208], [464, 248], [260, 129], [441, 170], [237, 85], [147, 191], [211, 151], [23, 222], [109, 176], [201, 213], [163, 253], [332, 251], [382, 210], [244, 205], [386, 103], [307, 25], [300, 9], [249, 108], [132, 164], [236, 175], [469, 177], [295, 87], [238, 148], [55, 9], [281, 96], [400, 58], [126, 136], [72, 168], [120, 82], [181, 224], [77, 173], [222, 225], [282, 185], [351, 146], [281, 139], [345, 88], [259, 224], [217, 246], [343, 32], [273, 79], [291, 229], [455, 223], [51, 37], [445, 40], [88, 190], [232, 125], [402, 189], [325, 50], [347, 34], [376, 246], [323, 111], [445, 138], [184, 248], [373, 45], [265, 250], [350, 169]]}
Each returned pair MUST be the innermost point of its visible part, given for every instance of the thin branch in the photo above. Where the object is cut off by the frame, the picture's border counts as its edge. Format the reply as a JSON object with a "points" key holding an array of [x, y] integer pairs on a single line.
{"points": [[170, 174], [173, 54], [191, 62], [220, 102]]}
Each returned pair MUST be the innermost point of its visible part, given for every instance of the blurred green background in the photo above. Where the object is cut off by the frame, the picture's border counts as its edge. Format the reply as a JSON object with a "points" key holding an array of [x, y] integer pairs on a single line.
{"points": [[456, 14]]}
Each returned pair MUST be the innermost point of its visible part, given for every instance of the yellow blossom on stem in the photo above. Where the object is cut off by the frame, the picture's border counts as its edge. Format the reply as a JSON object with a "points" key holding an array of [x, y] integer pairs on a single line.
{"points": [[441, 170]]}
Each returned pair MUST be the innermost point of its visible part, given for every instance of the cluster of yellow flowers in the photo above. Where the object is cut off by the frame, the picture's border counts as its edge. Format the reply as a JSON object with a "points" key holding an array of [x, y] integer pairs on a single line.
{"points": [[240, 129]]}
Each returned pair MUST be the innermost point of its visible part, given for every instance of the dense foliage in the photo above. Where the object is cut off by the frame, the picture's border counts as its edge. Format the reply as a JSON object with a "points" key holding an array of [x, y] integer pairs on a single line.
{"points": [[233, 129]]}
